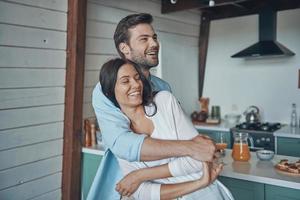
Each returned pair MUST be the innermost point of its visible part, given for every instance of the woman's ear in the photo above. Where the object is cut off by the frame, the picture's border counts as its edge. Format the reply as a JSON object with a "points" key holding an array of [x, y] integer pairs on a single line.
{"points": [[124, 48]]}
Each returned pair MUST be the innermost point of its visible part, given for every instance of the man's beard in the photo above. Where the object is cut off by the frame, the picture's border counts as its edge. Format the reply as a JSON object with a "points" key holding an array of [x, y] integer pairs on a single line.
{"points": [[143, 62]]}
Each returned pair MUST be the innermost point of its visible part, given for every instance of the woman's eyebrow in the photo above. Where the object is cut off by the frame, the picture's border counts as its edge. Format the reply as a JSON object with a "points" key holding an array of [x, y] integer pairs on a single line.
{"points": [[125, 76]]}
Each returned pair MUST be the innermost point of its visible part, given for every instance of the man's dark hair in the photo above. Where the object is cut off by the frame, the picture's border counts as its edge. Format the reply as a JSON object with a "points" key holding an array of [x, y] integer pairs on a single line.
{"points": [[108, 78], [122, 30]]}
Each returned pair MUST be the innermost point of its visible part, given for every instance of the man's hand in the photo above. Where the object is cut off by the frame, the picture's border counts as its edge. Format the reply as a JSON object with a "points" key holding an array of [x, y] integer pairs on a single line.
{"points": [[202, 148]]}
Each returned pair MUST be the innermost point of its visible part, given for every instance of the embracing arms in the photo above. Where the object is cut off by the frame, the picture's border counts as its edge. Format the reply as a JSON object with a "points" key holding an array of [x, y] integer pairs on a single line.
{"points": [[128, 185], [199, 148], [127, 145]]}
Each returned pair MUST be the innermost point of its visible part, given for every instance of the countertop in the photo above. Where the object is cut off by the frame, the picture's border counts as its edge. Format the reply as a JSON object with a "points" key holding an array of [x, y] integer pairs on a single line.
{"points": [[260, 171], [219, 127], [96, 150], [288, 131], [254, 170]]}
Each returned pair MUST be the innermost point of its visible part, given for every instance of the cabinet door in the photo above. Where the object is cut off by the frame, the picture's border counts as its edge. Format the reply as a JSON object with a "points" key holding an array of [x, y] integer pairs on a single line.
{"points": [[244, 190], [90, 163], [215, 134], [288, 146], [281, 193]]}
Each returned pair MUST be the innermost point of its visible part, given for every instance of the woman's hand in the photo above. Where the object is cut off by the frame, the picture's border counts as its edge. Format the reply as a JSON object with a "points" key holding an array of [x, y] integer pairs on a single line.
{"points": [[211, 171], [129, 184]]}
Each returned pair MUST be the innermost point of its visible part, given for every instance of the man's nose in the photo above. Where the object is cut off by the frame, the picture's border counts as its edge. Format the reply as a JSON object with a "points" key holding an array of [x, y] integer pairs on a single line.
{"points": [[153, 42]]}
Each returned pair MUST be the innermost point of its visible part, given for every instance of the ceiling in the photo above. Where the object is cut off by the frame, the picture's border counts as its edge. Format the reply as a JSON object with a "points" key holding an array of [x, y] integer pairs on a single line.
{"points": [[228, 8]]}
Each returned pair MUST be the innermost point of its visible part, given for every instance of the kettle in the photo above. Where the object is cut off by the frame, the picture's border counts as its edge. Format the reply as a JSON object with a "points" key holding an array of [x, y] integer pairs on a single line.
{"points": [[252, 115]]}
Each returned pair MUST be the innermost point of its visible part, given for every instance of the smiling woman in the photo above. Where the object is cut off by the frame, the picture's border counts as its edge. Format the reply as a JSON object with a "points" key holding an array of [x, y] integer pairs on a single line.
{"points": [[129, 87], [155, 115], [123, 79]]}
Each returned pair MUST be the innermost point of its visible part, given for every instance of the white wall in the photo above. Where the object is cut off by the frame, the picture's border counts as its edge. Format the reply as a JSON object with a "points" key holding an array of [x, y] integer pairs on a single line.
{"points": [[271, 84], [32, 82], [178, 35]]}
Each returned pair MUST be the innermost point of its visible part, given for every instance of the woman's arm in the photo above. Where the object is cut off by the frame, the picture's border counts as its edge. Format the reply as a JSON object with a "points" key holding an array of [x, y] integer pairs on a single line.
{"points": [[128, 185]]}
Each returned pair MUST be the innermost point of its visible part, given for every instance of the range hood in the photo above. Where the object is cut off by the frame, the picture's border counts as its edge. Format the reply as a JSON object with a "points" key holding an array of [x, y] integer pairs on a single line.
{"points": [[267, 45]]}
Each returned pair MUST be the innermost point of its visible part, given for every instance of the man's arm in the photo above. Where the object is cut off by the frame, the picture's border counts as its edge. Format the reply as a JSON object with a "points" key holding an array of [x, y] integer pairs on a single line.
{"points": [[200, 148], [116, 134]]}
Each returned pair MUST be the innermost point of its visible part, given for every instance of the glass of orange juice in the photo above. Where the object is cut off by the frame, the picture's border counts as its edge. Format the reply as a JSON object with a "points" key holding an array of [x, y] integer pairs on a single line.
{"points": [[221, 143]]}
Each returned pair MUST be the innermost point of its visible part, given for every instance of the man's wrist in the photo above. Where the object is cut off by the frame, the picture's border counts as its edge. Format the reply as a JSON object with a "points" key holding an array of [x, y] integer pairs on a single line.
{"points": [[186, 148]]}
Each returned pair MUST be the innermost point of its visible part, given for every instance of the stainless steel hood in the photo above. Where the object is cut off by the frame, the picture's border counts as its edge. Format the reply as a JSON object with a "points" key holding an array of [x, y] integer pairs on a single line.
{"points": [[267, 46]]}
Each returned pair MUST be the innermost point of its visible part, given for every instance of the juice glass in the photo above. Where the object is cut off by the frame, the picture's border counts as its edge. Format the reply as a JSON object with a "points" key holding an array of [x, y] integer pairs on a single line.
{"points": [[221, 143]]}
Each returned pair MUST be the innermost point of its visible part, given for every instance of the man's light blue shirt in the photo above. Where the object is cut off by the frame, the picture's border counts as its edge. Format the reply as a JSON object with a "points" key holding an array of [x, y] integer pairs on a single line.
{"points": [[118, 139]]}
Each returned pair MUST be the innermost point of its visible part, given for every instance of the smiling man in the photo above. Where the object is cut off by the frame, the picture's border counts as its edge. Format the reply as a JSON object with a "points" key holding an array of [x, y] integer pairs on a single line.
{"points": [[135, 40]]}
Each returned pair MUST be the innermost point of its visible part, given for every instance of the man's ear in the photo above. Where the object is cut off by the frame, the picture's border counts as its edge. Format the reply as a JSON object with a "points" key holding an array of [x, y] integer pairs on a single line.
{"points": [[124, 48]]}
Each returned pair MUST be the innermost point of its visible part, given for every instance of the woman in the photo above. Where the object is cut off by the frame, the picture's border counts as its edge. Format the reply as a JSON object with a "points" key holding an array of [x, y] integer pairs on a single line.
{"points": [[160, 117]]}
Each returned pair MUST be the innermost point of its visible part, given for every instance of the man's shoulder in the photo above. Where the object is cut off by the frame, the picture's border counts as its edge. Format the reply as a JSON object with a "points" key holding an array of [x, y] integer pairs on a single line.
{"points": [[155, 78], [97, 91], [99, 100], [159, 84]]}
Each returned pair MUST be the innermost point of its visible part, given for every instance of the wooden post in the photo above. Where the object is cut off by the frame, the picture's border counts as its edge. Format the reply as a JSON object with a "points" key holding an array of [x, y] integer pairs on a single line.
{"points": [[71, 177], [203, 45]]}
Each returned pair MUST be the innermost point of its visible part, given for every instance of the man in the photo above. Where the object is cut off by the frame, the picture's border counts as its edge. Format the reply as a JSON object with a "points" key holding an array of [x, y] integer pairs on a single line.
{"points": [[136, 40]]}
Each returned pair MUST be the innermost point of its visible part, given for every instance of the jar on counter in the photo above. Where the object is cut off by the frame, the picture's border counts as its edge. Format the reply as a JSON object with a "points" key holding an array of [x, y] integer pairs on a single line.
{"points": [[240, 150]]}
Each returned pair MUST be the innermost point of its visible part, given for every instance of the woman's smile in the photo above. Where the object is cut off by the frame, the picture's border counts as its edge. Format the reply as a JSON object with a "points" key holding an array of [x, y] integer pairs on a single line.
{"points": [[129, 87]]}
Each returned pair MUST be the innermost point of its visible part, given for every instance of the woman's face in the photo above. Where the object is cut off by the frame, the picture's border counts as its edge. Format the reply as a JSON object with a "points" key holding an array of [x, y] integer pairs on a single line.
{"points": [[129, 87]]}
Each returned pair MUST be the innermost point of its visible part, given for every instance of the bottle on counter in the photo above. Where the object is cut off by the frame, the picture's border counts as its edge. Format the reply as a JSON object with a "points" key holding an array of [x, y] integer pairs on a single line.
{"points": [[87, 132], [93, 134], [294, 116]]}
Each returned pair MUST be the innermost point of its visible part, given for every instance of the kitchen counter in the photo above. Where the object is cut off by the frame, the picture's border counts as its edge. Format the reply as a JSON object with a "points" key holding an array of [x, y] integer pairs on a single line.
{"points": [[260, 171], [96, 150], [288, 131], [254, 170], [218, 127]]}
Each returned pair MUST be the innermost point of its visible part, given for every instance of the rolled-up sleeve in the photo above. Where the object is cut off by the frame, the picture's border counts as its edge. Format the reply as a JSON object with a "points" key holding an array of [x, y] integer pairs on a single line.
{"points": [[183, 166], [148, 191], [115, 129]]}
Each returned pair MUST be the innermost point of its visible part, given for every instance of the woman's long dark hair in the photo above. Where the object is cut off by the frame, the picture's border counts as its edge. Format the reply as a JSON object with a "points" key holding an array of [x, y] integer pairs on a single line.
{"points": [[108, 79]]}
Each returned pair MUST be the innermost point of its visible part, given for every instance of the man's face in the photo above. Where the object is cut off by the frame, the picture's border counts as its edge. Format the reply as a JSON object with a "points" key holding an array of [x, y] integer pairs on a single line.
{"points": [[143, 46]]}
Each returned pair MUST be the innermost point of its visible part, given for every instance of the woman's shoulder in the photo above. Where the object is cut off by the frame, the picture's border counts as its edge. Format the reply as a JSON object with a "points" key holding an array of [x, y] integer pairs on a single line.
{"points": [[164, 96]]}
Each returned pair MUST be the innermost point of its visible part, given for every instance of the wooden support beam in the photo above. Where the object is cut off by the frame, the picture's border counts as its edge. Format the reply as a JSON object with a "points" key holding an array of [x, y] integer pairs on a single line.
{"points": [[74, 99], [203, 46], [228, 8], [168, 7], [250, 8]]}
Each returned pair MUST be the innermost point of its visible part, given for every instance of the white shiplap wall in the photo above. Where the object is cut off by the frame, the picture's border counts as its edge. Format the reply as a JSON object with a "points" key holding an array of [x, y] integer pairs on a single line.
{"points": [[179, 30], [270, 83], [32, 89]]}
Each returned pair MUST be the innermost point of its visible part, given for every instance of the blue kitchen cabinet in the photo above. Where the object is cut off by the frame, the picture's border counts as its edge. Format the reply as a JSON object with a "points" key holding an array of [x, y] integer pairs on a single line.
{"points": [[248, 190], [280, 193], [90, 163], [288, 146], [214, 135], [244, 190]]}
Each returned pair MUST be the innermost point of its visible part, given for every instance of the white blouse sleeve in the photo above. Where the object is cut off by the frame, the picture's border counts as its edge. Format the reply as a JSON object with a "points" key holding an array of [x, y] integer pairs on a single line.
{"points": [[148, 191], [185, 130]]}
